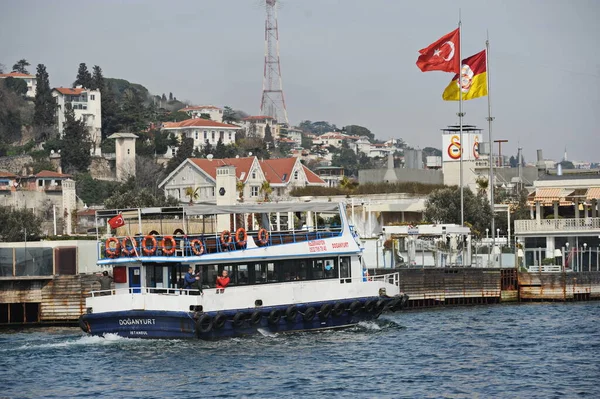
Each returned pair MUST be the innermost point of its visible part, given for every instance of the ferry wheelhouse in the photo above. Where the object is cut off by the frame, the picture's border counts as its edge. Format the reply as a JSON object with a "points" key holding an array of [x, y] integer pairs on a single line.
{"points": [[282, 278]]}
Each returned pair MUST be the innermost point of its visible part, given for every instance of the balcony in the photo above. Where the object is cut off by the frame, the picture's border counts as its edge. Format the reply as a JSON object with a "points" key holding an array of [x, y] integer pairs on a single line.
{"points": [[557, 226]]}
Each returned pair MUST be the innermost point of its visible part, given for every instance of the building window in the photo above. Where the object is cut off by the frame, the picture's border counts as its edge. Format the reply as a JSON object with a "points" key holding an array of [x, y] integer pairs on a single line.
{"points": [[196, 135], [92, 97], [172, 151], [213, 135], [254, 191], [213, 191], [254, 174], [128, 151], [296, 175], [205, 135], [230, 134]]}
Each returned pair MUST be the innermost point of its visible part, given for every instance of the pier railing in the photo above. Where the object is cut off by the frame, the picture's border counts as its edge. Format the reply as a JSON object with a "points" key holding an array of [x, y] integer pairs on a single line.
{"points": [[556, 225]]}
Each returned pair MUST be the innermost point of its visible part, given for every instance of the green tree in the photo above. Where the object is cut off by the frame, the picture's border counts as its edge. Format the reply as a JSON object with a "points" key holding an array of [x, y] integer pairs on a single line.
{"points": [[220, 150], [44, 104], [14, 223], [170, 96], [128, 195], [306, 142], [268, 135], [84, 77], [164, 97], [356, 130], [347, 159], [92, 191], [567, 165], [192, 194], [185, 151], [18, 86], [76, 144], [107, 102], [21, 66], [443, 206]]}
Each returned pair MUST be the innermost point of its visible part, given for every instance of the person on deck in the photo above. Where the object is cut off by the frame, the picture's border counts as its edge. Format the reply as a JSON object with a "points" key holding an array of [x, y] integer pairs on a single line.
{"points": [[105, 281], [190, 280], [223, 280]]}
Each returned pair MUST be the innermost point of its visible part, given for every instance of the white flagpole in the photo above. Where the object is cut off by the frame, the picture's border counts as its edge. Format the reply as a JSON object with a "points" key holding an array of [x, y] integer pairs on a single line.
{"points": [[490, 118], [461, 114]]}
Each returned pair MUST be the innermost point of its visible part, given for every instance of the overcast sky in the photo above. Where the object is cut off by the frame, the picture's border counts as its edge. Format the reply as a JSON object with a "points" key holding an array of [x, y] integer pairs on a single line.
{"points": [[343, 61]]}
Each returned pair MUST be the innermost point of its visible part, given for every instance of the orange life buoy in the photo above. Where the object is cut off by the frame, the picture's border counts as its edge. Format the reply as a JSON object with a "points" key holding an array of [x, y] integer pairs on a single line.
{"points": [[149, 250], [127, 250], [114, 251], [197, 247], [263, 236], [226, 237], [244, 236], [168, 249]]}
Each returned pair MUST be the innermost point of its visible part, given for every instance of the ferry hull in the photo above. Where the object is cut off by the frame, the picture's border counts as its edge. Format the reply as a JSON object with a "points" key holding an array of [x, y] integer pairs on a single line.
{"points": [[233, 323]]}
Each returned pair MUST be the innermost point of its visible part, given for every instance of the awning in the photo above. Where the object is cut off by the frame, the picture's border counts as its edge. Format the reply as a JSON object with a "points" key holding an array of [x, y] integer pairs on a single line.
{"points": [[547, 196], [593, 193], [413, 206]]}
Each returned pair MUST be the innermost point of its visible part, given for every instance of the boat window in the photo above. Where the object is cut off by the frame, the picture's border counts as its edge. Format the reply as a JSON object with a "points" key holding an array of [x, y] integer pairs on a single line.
{"points": [[240, 275], [264, 273], [324, 268], [345, 267], [154, 276]]}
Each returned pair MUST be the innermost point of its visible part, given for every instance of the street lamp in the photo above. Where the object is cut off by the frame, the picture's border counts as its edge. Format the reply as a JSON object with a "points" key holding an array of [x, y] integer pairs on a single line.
{"points": [[486, 233]]}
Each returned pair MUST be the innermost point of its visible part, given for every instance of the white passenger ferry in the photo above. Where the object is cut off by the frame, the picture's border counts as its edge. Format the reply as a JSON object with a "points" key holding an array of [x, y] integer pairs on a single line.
{"points": [[282, 279]]}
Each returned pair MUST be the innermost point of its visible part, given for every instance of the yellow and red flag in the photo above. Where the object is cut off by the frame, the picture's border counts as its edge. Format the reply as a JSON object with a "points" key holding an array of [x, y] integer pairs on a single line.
{"points": [[473, 79]]}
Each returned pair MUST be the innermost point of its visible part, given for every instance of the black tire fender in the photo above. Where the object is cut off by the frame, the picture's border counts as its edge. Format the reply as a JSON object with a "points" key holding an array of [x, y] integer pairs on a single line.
{"points": [[274, 316], [291, 313], [204, 324], [84, 325], [370, 306], [338, 309], [255, 317], [325, 311], [219, 321], [309, 314], [354, 307], [238, 319]]}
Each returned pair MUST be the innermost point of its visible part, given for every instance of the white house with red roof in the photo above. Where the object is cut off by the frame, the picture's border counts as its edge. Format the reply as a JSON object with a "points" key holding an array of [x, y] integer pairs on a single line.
{"points": [[29, 79], [196, 111], [283, 175], [87, 107], [201, 131], [255, 126]]}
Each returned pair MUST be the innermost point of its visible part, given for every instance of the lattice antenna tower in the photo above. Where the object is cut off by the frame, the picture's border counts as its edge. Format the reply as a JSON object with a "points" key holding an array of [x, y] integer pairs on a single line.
{"points": [[273, 100]]}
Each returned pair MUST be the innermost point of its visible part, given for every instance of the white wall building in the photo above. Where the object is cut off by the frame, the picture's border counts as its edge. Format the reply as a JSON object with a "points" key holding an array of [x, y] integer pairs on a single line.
{"points": [[255, 126], [87, 107], [196, 111], [296, 135], [201, 131], [29, 79], [282, 174]]}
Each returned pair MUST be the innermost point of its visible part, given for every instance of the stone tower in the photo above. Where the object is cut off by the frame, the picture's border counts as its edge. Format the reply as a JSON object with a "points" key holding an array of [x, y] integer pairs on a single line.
{"points": [[124, 154]]}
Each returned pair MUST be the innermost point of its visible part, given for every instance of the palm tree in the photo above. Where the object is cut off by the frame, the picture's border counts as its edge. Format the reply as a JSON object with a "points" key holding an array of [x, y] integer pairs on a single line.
{"points": [[192, 193], [266, 190], [348, 184], [239, 186], [482, 185]]}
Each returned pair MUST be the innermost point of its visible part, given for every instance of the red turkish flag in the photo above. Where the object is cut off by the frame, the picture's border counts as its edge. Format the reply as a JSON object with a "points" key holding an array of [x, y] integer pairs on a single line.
{"points": [[116, 221], [442, 55]]}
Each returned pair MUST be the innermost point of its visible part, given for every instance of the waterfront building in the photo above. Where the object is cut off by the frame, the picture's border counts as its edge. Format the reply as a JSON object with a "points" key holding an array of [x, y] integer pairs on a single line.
{"points": [[564, 223]]}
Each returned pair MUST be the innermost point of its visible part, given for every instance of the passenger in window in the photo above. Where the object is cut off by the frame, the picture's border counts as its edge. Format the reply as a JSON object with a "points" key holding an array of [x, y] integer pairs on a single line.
{"points": [[328, 269], [243, 279], [191, 280], [223, 280], [105, 281]]}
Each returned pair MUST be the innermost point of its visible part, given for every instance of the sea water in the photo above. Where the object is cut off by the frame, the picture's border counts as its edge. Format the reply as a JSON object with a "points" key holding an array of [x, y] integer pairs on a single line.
{"points": [[548, 350]]}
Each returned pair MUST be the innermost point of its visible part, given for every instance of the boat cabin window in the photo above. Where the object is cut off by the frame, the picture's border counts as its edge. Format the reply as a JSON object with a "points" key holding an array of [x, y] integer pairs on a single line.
{"points": [[345, 267], [324, 268]]}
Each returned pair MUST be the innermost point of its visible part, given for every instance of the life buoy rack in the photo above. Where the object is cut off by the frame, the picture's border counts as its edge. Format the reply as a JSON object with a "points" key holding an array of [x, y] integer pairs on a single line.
{"points": [[110, 251], [126, 249], [263, 236], [309, 314], [226, 238], [244, 236], [169, 245], [149, 250], [274, 316], [197, 247]]}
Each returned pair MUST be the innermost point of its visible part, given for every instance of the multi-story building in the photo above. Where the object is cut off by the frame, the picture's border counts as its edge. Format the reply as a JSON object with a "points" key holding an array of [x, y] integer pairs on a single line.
{"points": [[201, 174], [87, 107], [296, 135], [29, 79], [196, 111], [201, 131], [256, 126], [564, 223]]}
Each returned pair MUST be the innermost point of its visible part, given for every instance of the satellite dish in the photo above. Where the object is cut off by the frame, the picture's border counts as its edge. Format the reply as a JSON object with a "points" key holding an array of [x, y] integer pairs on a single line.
{"points": [[51, 152], [237, 156], [209, 156], [59, 151], [250, 154]]}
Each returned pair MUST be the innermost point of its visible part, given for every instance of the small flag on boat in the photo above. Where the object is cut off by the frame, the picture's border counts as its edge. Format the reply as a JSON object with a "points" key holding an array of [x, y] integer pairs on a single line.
{"points": [[116, 221]]}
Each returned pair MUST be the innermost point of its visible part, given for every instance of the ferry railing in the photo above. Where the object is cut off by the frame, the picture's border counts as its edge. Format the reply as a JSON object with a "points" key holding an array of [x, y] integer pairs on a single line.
{"points": [[211, 243], [145, 290], [391, 278]]}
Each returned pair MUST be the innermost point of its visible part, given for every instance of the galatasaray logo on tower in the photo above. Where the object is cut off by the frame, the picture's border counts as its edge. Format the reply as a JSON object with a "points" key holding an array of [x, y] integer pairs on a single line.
{"points": [[454, 147]]}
